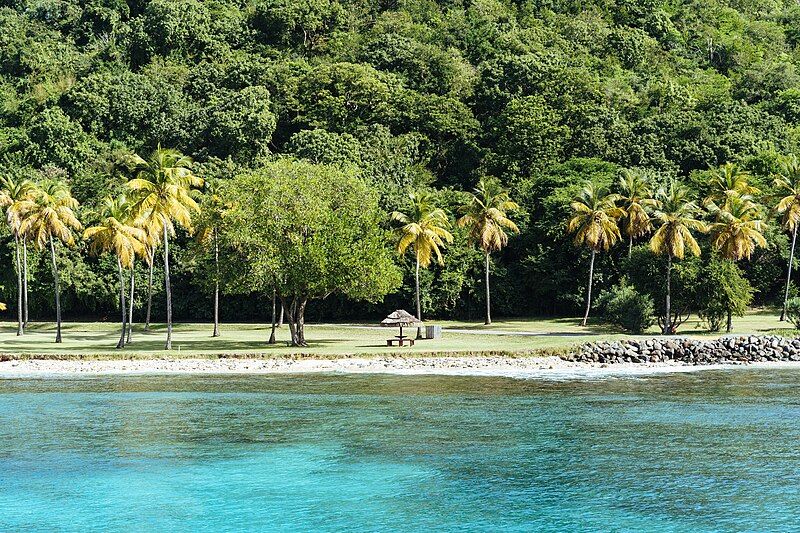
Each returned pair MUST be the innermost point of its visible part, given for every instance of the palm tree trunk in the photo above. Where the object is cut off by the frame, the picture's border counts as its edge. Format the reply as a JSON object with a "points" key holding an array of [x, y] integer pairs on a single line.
{"points": [[630, 246], [58, 295], [216, 288], [121, 342], [667, 328], [20, 320], [789, 274], [152, 254], [25, 281], [130, 304], [274, 306], [167, 290], [589, 292], [488, 294], [416, 293]]}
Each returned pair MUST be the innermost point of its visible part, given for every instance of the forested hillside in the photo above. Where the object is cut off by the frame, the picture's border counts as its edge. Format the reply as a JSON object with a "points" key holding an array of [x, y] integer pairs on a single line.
{"points": [[410, 93]]}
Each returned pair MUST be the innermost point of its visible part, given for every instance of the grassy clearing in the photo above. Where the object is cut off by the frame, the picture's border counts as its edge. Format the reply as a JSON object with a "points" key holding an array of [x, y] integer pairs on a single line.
{"points": [[93, 340]]}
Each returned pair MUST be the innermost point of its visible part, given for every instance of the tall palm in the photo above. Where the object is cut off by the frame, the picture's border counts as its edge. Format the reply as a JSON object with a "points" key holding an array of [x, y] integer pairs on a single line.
{"points": [[116, 234], [16, 197], [594, 223], [154, 231], [486, 216], [677, 217], [161, 187], [207, 228], [424, 229], [636, 198], [736, 232], [52, 218], [727, 181], [787, 182]]}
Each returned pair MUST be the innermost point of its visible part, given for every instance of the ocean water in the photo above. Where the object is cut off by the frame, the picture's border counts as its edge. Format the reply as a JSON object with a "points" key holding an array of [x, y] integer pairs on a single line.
{"points": [[708, 451]]}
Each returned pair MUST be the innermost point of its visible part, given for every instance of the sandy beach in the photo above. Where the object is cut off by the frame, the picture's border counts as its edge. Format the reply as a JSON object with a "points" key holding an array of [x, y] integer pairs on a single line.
{"points": [[526, 367]]}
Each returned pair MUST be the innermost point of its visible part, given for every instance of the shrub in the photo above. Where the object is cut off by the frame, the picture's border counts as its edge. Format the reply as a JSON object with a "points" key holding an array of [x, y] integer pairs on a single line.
{"points": [[627, 308], [793, 311]]}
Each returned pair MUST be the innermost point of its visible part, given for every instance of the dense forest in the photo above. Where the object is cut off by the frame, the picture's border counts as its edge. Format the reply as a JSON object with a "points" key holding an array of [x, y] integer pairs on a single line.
{"points": [[406, 94]]}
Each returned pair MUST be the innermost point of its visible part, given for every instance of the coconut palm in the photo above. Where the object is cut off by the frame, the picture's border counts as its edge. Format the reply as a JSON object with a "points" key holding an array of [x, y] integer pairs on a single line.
{"points": [[486, 216], [207, 228], [636, 198], [424, 229], [16, 197], [787, 182], [594, 224], [161, 188], [727, 181], [52, 218], [117, 234], [677, 217], [736, 232]]}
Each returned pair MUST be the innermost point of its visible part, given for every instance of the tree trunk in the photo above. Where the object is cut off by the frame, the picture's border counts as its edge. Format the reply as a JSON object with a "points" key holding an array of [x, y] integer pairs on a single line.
{"points": [[488, 295], [216, 287], [281, 315], [730, 321], [667, 328], [58, 295], [630, 246], [167, 290], [20, 320], [121, 342], [300, 321], [290, 315], [130, 308], [152, 256], [25, 281], [416, 293], [789, 274], [589, 292], [274, 318]]}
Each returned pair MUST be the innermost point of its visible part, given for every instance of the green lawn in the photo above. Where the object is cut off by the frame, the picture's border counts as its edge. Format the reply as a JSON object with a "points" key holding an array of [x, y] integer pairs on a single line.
{"points": [[97, 339]]}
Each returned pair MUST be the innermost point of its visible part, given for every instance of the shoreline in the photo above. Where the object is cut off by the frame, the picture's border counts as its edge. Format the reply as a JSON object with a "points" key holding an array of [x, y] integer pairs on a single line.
{"points": [[550, 367]]}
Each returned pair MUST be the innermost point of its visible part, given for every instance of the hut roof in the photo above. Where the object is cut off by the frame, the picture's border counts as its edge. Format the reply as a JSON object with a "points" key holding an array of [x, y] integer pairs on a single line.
{"points": [[400, 318]]}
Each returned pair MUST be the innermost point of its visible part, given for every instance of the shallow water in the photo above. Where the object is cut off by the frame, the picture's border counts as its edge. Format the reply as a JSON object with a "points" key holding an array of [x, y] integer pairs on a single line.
{"points": [[708, 451]]}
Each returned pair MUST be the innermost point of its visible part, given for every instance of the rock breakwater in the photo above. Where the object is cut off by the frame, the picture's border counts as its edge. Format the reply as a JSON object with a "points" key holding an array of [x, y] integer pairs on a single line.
{"points": [[724, 350]]}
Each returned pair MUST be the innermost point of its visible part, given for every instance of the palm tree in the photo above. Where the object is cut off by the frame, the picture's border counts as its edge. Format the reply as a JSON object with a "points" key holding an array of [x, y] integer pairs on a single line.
{"points": [[787, 182], [115, 233], [636, 198], [729, 180], [678, 217], [162, 188], [51, 218], [153, 230], [486, 217], [424, 229], [16, 196], [207, 228], [736, 231], [594, 223]]}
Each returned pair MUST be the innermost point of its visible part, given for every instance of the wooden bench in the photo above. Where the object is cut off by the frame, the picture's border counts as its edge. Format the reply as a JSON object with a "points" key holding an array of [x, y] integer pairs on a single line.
{"points": [[400, 341]]}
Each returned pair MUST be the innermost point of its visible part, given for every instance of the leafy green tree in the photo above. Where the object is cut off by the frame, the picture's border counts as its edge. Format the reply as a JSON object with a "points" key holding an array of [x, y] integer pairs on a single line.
{"points": [[161, 189], [594, 225], [117, 235], [677, 217], [50, 218], [424, 229], [322, 236], [486, 216], [725, 292]]}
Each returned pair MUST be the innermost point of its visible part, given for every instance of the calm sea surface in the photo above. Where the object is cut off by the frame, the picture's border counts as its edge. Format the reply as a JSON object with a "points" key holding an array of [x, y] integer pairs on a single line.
{"points": [[709, 451]]}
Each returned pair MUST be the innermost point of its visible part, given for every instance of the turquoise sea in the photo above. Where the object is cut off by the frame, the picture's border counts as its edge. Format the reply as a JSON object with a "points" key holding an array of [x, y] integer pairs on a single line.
{"points": [[708, 451]]}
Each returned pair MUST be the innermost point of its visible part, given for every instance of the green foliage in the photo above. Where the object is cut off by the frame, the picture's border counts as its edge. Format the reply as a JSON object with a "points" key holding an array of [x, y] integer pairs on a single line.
{"points": [[628, 309], [793, 311], [725, 292]]}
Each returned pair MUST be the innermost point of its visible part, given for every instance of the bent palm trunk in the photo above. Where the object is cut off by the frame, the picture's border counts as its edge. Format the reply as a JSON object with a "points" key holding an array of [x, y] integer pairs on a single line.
{"points": [[130, 308], [488, 295], [667, 329], [121, 342], [589, 292], [58, 295], [20, 321], [168, 345], [25, 281], [789, 275]]}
